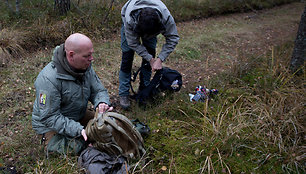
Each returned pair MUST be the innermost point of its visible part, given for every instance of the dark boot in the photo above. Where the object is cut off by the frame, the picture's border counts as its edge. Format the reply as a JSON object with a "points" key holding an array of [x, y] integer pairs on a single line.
{"points": [[124, 102]]}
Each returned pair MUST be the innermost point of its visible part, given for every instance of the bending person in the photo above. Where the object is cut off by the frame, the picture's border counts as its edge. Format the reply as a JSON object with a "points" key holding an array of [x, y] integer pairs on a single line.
{"points": [[143, 20]]}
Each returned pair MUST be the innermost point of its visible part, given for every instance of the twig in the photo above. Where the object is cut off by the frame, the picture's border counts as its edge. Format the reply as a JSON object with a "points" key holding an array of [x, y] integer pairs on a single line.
{"points": [[267, 157], [172, 159], [139, 161], [202, 115], [185, 123], [206, 161], [126, 170], [146, 165], [205, 108]]}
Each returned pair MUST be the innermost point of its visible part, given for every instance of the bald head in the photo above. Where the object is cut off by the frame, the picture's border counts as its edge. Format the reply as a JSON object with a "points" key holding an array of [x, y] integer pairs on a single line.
{"points": [[79, 49], [75, 41]]}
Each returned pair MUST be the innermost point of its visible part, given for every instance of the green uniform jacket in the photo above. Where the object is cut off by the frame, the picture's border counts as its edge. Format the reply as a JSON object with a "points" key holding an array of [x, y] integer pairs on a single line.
{"points": [[61, 99]]}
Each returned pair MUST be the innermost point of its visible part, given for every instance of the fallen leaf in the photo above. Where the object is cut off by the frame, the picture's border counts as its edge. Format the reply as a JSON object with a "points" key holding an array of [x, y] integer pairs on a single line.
{"points": [[197, 152], [164, 168]]}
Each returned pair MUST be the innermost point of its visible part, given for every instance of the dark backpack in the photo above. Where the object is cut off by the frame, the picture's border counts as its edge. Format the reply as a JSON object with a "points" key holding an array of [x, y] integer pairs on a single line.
{"points": [[171, 80], [164, 80]]}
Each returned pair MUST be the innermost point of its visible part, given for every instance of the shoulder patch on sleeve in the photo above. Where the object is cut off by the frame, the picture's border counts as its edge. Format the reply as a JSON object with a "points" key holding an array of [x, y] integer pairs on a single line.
{"points": [[42, 99]]}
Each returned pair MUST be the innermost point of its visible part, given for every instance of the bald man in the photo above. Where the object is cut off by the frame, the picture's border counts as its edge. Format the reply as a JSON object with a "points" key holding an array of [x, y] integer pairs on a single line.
{"points": [[63, 89]]}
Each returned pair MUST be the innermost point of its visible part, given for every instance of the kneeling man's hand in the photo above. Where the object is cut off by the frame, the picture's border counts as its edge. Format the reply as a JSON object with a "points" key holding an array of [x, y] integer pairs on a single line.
{"points": [[84, 134], [103, 107]]}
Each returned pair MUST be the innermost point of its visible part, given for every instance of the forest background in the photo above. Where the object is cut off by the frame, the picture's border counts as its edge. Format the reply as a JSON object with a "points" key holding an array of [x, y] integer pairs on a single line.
{"points": [[240, 47]]}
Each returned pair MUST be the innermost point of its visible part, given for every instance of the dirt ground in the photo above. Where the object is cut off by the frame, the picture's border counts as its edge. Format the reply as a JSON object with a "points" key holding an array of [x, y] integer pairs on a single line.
{"points": [[244, 35]]}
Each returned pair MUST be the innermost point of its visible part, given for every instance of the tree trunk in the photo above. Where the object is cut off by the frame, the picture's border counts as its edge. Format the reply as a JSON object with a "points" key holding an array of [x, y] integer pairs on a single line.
{"points": [[62, 6], [8, 5], [17, 6], [299, 52]]}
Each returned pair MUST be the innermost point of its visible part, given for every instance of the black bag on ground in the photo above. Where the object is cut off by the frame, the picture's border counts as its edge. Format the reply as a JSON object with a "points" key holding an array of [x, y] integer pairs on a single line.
{"points": [[171, 80], [165, 79], [97, 162]]}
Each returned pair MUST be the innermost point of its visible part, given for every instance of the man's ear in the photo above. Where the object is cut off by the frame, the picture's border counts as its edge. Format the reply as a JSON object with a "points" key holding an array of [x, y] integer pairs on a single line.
{"points": [[70, 55]]}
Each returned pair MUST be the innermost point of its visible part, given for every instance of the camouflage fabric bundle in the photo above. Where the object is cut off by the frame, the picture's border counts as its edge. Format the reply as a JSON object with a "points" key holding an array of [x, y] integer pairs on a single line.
{"points": [[115, 134]]}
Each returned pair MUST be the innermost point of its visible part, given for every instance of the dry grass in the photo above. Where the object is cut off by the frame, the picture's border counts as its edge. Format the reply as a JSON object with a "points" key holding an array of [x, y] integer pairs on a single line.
{"points": [[11, 42], [98, 19], [255, 125], [272, 108]]}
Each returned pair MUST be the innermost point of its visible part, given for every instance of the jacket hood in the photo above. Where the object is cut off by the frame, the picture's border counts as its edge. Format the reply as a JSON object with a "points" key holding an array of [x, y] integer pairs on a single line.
{"points": [[62, 65]]}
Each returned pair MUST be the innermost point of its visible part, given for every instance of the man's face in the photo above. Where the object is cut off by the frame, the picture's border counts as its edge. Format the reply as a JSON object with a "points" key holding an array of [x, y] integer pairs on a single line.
{"points": [[82, 58]]}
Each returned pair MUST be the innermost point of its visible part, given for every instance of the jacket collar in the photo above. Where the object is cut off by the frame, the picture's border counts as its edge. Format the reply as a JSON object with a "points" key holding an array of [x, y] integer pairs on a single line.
{"points": [[64, 70]]}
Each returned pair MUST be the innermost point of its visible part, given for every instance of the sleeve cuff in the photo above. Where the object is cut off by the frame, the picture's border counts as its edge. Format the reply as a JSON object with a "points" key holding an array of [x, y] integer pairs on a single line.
{"points": [[80, 131]]}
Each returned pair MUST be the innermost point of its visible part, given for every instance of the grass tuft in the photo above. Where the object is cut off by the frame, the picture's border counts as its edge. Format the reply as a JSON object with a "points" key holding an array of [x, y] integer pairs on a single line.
{"points": [[11, 43]]}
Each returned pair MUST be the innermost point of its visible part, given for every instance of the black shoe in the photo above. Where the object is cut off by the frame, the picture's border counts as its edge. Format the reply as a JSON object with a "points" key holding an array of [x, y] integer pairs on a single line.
{"points": [[124, 102]]}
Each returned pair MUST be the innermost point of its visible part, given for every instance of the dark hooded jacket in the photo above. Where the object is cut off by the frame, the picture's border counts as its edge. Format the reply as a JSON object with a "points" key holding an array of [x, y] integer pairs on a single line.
{"points": [[129, 18]]}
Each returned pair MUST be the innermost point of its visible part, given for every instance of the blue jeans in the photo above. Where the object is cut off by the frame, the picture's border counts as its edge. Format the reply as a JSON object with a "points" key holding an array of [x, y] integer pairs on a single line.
{"points": [[127, 62]]}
